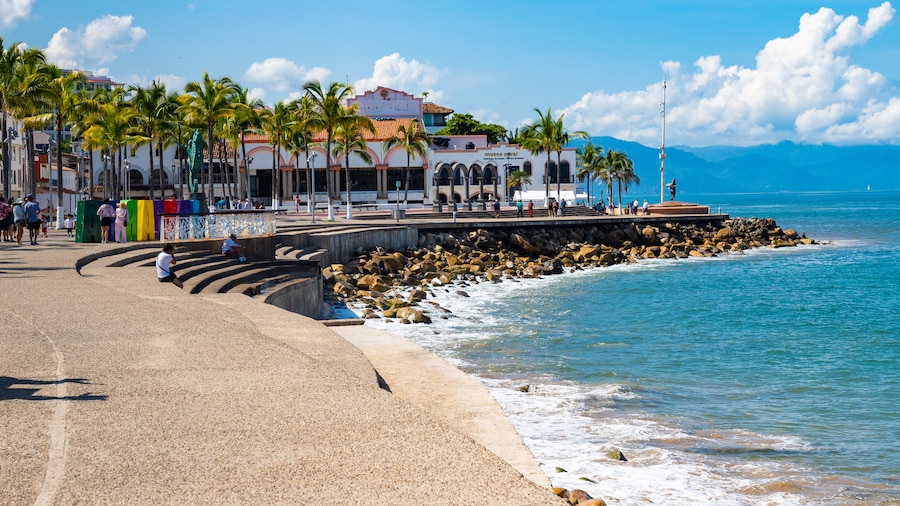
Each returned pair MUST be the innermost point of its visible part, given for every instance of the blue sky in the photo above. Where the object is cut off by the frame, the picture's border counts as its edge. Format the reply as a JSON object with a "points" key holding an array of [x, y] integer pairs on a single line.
{"points": [[740, 72]]}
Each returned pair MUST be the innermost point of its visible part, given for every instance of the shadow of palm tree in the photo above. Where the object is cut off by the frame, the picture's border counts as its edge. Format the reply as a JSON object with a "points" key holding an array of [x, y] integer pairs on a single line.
{"points": [[9, 392]]}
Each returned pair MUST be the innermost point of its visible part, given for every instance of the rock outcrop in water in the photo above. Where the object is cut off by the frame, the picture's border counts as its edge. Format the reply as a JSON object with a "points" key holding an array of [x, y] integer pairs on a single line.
{"points": [[395, 284]]}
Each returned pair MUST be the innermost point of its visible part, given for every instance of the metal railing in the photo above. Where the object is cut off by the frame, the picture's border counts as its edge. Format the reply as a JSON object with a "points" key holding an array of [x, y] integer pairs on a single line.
{"points": [[206, 226]]}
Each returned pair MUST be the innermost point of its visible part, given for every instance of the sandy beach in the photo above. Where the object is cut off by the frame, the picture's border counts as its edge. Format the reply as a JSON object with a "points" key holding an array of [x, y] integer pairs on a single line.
{"points": [[118, 389]]}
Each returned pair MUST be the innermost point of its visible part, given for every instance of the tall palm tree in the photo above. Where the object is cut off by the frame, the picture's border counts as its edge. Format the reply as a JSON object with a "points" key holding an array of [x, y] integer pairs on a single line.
{"points": [[563, 138], [301, 139], [26, 102], [247, 119], [61, 97], [414, 141], [150, 106], [207, 102], [111, 128], [327, 114], [587, 160], [621, 169], [11, 58], [277, 123], [607, 173], [349, 139], [541, 137]]}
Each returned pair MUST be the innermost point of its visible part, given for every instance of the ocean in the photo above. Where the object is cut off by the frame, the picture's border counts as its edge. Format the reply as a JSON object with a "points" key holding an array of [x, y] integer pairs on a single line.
{"points": [[770, 377]]}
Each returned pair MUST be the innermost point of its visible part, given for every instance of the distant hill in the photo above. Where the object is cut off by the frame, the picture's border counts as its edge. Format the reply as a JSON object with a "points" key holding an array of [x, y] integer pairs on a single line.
{"points": [[767, 168]]}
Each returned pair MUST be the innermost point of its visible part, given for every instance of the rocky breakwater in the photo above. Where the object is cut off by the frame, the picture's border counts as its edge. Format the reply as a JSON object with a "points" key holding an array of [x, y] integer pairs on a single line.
{"points": [[396, 284]]}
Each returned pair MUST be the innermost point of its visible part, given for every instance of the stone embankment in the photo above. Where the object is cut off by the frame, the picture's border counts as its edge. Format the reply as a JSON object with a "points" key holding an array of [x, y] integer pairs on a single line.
{"points": [[395, 284]]}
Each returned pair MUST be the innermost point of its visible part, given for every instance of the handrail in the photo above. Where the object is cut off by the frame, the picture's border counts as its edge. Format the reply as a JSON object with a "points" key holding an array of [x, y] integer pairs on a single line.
{"points": [[246, 224]]}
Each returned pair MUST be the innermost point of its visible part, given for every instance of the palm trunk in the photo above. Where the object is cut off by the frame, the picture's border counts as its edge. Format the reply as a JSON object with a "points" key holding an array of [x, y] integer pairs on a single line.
{"points": [[29, 136], [558, 180], [59, 166], [406, 183], [224, 167], [547, 181], [152, 194], [349, 199], [210, 196]]}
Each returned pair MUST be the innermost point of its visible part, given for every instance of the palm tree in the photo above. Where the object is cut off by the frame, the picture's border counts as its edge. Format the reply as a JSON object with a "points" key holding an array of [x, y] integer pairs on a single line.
{"points": [[349, 139], [414, 141], [326, 115], [588, 162], [26, 102], [150, 105], [247, 119], [110, 129], [621, 169], [61, 97], [11, 58], [518, 179], [541, 137], [277, 123], [563, 138], [606, 173], [207, 102]]}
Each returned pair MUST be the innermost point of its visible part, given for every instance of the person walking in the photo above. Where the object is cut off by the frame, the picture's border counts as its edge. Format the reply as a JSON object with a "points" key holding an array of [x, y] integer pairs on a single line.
{"points": [[531, 209], [18, 211], [164, 262], [106, 214], [6, 219], [519, 207], [121, 223], [32, 218]]}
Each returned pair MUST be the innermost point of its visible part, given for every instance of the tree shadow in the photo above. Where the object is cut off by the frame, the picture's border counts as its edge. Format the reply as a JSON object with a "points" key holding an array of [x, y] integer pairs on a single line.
{"points": [[18, 388]]}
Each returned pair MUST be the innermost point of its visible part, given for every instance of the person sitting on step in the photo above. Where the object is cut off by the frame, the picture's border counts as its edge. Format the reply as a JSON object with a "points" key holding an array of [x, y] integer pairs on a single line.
{"points": [[230, 248]]}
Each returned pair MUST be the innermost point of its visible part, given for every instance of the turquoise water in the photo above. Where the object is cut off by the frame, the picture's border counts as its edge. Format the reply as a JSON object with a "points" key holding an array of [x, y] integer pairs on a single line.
{"points": [[765, 378]]}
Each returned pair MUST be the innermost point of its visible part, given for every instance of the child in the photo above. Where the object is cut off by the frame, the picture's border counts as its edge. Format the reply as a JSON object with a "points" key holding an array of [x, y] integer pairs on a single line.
{"points": [[44, 225], [69, 223]]}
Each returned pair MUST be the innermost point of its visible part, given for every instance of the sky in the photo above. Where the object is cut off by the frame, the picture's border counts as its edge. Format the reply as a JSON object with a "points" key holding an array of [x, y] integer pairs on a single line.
{"points": [[741, 72]]}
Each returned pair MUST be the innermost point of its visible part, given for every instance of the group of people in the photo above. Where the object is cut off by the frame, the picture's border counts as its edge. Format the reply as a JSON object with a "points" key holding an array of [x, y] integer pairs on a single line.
{"points": [[630, 208], [556, 208], [16, 215], [165, 260], [107, 213]]}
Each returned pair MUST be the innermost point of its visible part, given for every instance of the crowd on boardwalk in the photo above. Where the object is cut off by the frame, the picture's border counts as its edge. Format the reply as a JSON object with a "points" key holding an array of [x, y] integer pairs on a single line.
{"points": [[20, 214]]}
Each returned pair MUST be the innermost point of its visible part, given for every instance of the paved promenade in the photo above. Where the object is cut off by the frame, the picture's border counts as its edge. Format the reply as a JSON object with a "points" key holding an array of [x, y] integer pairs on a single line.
{"points": [[117, 389]]}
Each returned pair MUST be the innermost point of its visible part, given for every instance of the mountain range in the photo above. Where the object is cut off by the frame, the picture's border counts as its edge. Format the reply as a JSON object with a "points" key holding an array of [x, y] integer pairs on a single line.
{"points": [[782, 167]]}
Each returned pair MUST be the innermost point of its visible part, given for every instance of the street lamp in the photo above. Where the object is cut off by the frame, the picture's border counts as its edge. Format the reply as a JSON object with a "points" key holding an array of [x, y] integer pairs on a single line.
{"points": [[106, 193], [50, 145], [310, 202], [127, 167]]}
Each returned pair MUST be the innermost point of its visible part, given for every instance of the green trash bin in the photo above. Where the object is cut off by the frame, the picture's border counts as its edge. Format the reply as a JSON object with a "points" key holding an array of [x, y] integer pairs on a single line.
{"points": [[87, 223]]}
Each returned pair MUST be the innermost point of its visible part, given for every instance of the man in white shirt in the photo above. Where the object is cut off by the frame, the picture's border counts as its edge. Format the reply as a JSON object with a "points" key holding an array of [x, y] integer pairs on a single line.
{"points": [[230, 248], [164, 262]]}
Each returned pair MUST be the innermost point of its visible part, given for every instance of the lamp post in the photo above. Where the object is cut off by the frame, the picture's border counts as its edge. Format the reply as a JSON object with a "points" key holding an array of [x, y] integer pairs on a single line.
{"points": [[127, 167], [106, 194], [50, 145], [310, 203], [247, 163], [174, 167], [662, 152]]}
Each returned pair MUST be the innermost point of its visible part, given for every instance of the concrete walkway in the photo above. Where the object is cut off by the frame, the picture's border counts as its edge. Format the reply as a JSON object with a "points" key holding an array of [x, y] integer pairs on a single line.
{"points": [[117, 389]]}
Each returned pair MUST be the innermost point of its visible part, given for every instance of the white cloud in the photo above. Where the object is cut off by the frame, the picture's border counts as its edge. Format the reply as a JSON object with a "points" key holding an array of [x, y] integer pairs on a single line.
{"points": [[13, 10], [803, 88], [281, 76], [412, 76], [99, 43]]}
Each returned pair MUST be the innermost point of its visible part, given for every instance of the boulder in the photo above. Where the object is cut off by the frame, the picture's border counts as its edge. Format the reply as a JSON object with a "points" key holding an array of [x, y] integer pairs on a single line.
{"points": [[519, 243]]}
